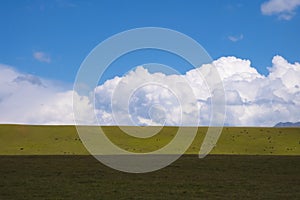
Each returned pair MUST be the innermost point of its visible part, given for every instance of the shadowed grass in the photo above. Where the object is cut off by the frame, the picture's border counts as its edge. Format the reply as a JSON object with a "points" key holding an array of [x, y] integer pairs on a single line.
{"points": [[214, 177]]}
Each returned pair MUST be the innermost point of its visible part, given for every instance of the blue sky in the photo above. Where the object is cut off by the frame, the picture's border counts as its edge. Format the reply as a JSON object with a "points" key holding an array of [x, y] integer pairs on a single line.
{"points": [[64, 32], [253, 44]]}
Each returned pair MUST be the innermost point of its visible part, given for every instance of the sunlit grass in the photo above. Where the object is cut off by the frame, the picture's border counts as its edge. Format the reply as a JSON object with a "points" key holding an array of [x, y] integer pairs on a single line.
{"points": [[64, 140]]}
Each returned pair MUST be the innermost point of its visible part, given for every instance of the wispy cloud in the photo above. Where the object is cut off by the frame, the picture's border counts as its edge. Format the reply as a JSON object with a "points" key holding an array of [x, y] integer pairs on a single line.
{"points": [[236, 38], [41, 56], [34, 80], [284, 9]]}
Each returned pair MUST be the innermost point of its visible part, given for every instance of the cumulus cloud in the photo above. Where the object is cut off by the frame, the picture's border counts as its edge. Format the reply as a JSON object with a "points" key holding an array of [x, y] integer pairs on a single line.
{"points": [[284, 9], [32, 100], [41, 57], [252, 99], [144, 98]]}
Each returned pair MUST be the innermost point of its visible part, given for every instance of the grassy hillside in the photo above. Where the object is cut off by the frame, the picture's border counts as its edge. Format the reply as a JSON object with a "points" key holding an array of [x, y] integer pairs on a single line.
{"points": [[64, 140]]}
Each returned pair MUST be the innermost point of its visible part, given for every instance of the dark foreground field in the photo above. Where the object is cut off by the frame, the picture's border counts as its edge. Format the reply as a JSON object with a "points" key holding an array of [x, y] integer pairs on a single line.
{"points": [[214, 177]]}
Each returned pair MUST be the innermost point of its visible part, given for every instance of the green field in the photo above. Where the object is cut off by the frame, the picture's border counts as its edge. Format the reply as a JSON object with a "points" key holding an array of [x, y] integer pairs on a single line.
{"points": [[64, 140], [50, 162], [214, 177]]}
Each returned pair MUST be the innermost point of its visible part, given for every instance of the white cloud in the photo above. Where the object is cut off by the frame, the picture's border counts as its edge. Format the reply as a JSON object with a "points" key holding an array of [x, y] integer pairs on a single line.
{"points": [[42, 57], [285, 9], [29, 99], [236, 38], [252, 99]]}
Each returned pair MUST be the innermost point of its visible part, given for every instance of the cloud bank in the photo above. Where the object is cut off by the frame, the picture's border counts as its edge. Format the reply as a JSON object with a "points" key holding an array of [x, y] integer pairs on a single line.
{"points": [[284, 9], [252, 99]]}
